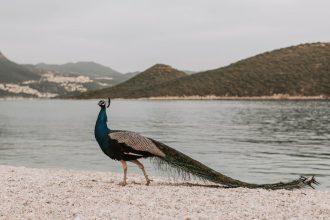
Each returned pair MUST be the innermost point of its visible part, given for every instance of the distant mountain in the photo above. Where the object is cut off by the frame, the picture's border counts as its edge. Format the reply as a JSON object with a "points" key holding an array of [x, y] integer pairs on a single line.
{"points": [[302, 70], [90, 69], [131, 74], [189, 72], [103, 74], [31, 81], [153, 76], [11, 72]]}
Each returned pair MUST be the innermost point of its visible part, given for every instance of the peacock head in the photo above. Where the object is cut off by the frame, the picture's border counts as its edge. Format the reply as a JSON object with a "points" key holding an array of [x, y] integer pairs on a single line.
{"points": [[102, 103]]}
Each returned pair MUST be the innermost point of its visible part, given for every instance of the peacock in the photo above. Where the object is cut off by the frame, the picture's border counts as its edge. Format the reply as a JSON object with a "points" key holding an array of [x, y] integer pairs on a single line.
{"points": [[127, 146]]}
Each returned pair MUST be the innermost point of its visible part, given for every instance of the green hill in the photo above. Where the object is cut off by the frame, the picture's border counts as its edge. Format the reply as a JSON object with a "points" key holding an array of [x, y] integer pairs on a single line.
{"points": [[302, 70], [82, 68], [155, 75], [19, 80], [11, 72]]}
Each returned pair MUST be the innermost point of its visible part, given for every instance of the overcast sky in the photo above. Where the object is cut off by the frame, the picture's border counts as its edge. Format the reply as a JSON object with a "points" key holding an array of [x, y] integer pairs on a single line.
{"points": [[130, 35]]}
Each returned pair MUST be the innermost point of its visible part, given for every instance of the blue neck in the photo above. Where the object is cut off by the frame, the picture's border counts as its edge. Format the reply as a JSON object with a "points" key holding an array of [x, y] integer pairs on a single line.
{"points": [[101, 129]]}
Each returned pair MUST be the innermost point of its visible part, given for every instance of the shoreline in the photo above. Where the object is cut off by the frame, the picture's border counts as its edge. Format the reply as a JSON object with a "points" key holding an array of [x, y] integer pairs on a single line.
{"points": [[252, 98], [69, 194], [279, 97]]}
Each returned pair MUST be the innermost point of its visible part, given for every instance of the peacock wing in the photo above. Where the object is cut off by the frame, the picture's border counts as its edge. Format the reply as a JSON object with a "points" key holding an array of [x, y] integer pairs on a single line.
{"points": [[136, 141]]}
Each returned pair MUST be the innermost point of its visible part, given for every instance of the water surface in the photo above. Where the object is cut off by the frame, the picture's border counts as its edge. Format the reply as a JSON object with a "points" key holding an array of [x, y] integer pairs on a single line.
{"points": [[256, 141]]}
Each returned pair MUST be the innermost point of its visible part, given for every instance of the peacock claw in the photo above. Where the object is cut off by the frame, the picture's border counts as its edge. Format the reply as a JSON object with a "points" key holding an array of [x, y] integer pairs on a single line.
{"points": [[122, 183], [148, 182]]}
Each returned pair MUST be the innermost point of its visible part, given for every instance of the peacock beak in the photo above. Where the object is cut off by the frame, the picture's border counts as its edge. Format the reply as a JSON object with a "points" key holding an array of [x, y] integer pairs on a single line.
{"points": [[109, 101]]}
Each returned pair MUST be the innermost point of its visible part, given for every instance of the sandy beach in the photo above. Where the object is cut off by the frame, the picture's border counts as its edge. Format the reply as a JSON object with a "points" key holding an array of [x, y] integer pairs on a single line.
{"points": [[68, 194]]}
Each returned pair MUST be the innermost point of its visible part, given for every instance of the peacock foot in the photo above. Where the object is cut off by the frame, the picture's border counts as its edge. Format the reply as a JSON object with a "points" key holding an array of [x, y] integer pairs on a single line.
{"points": [[148, 182], [123, 183]]}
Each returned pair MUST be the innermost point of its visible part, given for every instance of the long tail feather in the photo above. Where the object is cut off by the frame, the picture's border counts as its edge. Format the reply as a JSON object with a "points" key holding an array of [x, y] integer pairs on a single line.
{"points": [[187, 165]]}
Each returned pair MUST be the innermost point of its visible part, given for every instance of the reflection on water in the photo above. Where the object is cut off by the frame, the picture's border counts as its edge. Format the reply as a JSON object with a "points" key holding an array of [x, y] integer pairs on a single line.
{"points": [[257, 141]]}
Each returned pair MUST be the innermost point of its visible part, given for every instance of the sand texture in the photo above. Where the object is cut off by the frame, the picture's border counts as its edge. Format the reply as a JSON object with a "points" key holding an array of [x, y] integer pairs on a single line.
{"points": [[67, 194]]}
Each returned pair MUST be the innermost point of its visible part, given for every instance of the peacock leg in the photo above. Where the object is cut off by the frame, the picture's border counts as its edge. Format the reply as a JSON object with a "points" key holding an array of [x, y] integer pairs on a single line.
{"points": [[143, 170], [124, 165]]}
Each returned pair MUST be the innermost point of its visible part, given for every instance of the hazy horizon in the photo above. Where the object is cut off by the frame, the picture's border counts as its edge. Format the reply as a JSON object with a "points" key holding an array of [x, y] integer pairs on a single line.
{"points": [[132, 36]]}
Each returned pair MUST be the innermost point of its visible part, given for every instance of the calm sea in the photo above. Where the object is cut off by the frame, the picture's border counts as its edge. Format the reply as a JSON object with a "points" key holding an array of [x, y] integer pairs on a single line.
{"points": [[255, 141]]}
